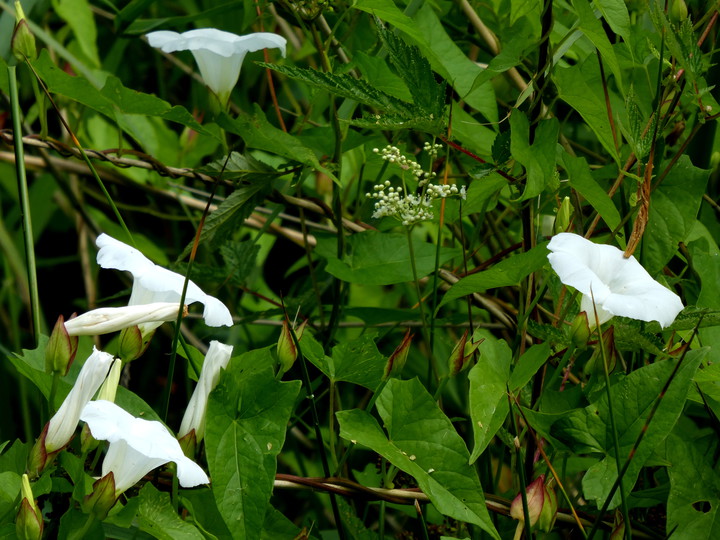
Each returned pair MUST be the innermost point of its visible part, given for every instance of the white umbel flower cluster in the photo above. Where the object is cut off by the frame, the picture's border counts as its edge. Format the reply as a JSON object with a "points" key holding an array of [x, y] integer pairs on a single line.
{"points": [[410, 208]]}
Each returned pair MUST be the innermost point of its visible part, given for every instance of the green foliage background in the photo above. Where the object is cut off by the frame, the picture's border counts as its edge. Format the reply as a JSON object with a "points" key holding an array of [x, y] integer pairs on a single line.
{"points": [[593, 117]]}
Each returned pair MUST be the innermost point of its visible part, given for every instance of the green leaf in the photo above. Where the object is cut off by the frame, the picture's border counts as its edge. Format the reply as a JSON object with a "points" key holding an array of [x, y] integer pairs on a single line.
{"points": [[258, 133], [278, 527], [9, 495], [389, 12], [673, 208], [488, 392], [582, 181], [377, 258], [503, 274], [415, 70], [453, 65], [157, 517], [615, 12], [481, 193], [422, 442], [588, 430], [694, 484], [376, 71], [593, 30], [79, 17], [538, 158], [581, 88], [230, 215], [247, 417], [528, 365]]}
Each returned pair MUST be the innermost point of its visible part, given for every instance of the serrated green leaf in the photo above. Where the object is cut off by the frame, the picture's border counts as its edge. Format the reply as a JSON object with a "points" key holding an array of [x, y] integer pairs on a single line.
{"points": [[537, 158], [348, 87], [258, 133], [230, 215], [247, 418], [503, 274], [488, 400], [239, 167], [422, 442], [415, 70], [376, 258], [376, 71], [588, 430]]}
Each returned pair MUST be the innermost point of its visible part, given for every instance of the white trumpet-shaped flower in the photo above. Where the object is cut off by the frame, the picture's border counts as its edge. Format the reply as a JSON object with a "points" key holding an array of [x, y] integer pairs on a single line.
{"points": [[153, 283], [219, 54], [137, 446], [62, 425], [217, 358], [105, 320], [619, 286]]}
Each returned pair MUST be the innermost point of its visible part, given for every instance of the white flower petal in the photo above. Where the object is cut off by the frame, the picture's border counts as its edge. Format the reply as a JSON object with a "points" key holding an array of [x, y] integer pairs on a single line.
{"points": [[620, 286], [137, 446], [62, 425], [216, 359], [219, 54], [153, 283], [104, 320]]}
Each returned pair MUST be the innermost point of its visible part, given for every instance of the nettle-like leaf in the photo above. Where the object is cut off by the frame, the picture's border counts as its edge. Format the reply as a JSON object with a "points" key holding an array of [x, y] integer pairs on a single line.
{"points": [[230, 215], [247, 418], [422, 441], [415, 71], [538, 158], [240, 167], [349, 87]]}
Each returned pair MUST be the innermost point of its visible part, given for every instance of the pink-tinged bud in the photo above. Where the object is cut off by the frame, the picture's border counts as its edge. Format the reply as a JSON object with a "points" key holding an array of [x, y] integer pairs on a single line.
{"points": [[102, 498], [542, 506], [535, 494], [286, 349], [60, 350], [618, 532], [39, 457], [462, 354], [29, 522], [133, 344], [396, 362], [595, 364]]}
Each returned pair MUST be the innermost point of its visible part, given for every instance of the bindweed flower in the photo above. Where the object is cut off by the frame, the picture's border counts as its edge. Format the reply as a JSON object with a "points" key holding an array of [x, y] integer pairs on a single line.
{"points": [[219, 55], [111, 319], [153, 283], [619, 286], [29, 522], [137, 446], [60, 429], [216, 359]]}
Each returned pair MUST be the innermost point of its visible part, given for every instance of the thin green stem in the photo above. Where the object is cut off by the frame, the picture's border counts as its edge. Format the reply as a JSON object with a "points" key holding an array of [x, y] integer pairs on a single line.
{"points": [[24, 203], [520, 472], [421, 304], [613, 426]]}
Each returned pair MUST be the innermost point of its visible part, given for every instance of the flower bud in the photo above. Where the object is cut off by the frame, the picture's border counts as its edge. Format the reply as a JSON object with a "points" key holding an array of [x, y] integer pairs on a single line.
{"points": [[535, 494], [60, 350], [132, 344], [23, 41], [580, 331], [29, 522], [563, 217], [396, 362], [102, 498], [188, 443], [461, 355], [286, 348], [678, 11], [107, 392]]}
